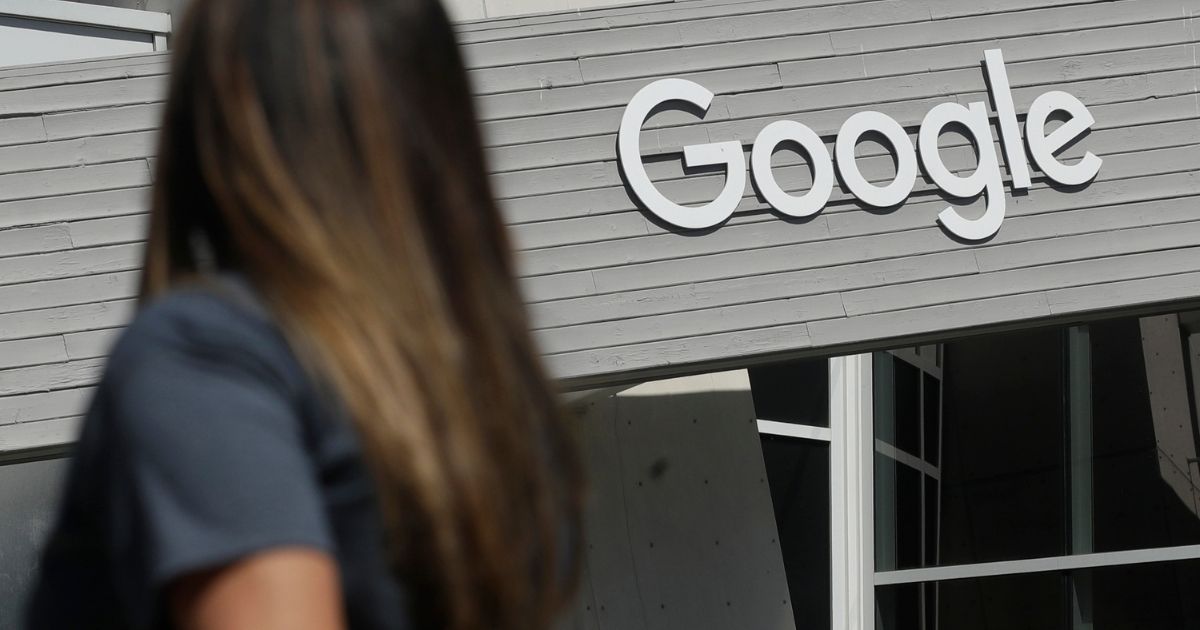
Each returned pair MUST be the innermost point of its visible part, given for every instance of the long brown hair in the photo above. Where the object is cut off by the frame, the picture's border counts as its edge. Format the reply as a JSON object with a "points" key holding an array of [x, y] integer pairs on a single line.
{"points": [[328, 150]]}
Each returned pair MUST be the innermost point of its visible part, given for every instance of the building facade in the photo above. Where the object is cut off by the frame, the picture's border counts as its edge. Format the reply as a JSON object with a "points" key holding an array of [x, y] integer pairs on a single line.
{"points": [[931, 366]]}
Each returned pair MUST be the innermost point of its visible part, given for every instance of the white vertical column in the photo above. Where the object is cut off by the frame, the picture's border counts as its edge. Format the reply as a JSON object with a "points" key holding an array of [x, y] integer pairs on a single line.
{"points": [[851, 494]]}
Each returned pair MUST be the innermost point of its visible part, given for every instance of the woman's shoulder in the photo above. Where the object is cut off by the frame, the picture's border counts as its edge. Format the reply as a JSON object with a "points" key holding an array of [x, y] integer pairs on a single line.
{"points": [[213, 325]]}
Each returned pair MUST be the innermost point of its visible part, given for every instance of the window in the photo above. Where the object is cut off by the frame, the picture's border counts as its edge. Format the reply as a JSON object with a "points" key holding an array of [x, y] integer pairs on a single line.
{"points": [[1022, 478], [791, 402]]}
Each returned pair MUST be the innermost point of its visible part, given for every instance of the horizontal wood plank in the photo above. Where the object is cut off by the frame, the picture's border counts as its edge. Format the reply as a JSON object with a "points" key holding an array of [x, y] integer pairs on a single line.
{"points": [[90, 344], [30, 436], [29, 352], [76, 179], [43, 238], [104, 287], [66, 264], [106, 120], [21, 130], [110, 231], [44, 405], [64, 319], [73, 207], [61, 98], [50, 377], [76, 152], [1087, 271]]}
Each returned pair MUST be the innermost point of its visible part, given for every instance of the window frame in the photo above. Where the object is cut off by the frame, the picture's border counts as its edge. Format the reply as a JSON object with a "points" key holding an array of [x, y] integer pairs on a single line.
{"points": [[851, 558]]}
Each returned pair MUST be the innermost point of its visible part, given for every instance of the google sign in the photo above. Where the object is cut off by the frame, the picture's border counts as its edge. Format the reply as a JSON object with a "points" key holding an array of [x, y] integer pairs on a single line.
{"points": [[973, 118]]}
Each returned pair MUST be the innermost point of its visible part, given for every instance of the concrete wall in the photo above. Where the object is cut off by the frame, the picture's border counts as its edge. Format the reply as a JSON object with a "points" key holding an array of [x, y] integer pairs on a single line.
{"points": [[29, 493], [614, 294], [681, 532]]}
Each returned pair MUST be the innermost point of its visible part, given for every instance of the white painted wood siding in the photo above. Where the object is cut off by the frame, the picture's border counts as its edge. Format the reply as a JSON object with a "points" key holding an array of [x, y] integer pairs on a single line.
{"points": [[613, 294]]}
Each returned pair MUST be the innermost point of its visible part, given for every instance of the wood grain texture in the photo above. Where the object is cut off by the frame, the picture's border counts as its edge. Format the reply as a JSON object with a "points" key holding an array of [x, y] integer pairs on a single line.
{"points": [[63, 319], [76, 152], [87, 205], [86, 289], [614, 294], [36, 435], [104, 120], [44, 405]]}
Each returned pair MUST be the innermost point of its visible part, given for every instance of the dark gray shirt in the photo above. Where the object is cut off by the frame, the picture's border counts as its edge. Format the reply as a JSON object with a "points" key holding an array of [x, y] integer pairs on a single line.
{"points": [[206, 441]]}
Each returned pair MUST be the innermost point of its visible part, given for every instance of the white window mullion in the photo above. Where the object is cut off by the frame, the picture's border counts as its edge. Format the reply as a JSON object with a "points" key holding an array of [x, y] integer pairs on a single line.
{"points": [[851, 492], [1051, 564], [790, 429]]}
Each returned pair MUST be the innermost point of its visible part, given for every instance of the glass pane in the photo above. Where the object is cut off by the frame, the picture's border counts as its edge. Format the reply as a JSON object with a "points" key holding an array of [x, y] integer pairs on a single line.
{"points": [[29, 496], [898, 607], [798, 473], [1160, 595], [1143, 437], [1034, 601], [1003, 471], [931, 408], [796, 392], [930, 612], [908, 517], [883, 364], [908, 407], [1053, 441], [897, 515], [932, 499]]}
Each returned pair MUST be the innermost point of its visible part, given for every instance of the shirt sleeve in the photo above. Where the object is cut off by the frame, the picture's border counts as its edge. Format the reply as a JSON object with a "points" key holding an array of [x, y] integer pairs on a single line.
{"points": [[208, 455]]}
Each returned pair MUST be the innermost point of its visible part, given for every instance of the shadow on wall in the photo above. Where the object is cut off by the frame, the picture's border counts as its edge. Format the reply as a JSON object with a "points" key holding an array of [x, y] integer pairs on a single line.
{"points": [[681, 532], [29, 493]]}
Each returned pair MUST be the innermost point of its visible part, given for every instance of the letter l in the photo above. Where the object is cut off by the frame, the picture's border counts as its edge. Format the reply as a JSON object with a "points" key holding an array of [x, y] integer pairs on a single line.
{"points": [[1014, 146]]}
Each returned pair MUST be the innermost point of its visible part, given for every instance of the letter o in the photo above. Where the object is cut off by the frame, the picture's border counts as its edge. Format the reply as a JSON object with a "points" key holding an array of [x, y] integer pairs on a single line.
{"points": [[906, 159], [629, 156], [765, 144]]}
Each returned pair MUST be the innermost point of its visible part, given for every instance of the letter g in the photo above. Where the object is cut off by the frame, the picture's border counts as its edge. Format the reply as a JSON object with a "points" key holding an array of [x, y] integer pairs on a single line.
{"points": [[629, 156]]}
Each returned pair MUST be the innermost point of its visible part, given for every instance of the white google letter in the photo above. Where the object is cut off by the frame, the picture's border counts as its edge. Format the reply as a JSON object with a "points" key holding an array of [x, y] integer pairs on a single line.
{"points": [[906, 160], [1042, 147], [1009, 132], [629, 156], [986, 177], [818, 158]]}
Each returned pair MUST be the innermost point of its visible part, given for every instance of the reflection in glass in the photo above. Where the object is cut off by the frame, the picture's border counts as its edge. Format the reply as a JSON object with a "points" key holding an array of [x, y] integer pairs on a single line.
{"points": [[932, 503], [1053, 442], [907, 494], [795, 392], [1060, 441], [931, 419], [798, 473], [1143, 436], [1020, 602], [898, 607], [1003, 470], [907, 392]]}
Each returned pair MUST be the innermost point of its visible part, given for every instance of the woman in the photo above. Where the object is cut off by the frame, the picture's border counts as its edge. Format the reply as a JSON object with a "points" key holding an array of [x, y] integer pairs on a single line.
{"points": [[328, 412]]}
